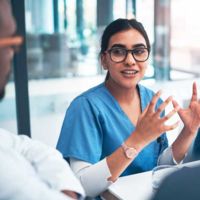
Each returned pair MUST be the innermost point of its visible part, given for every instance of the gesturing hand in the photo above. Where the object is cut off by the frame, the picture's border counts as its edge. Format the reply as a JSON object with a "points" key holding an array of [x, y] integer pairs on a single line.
{"points": [[191, 115], [150, 124]]}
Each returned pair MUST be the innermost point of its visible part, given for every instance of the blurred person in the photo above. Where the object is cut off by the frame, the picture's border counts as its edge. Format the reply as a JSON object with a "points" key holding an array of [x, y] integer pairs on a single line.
{"points": [[195, 150], [118, 127], [29, 169], [182, 184]]}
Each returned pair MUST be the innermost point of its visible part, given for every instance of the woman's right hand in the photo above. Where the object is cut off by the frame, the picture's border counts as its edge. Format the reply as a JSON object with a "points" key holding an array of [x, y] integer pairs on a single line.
{"points": [[150, 124]]}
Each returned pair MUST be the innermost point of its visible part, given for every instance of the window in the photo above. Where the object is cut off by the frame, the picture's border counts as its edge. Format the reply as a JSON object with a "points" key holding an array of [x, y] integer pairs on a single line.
{"points": [[185, 31]]}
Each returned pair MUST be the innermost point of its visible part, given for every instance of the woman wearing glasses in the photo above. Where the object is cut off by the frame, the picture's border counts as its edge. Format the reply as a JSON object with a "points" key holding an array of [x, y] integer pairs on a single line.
{"points": [[118, 127]]}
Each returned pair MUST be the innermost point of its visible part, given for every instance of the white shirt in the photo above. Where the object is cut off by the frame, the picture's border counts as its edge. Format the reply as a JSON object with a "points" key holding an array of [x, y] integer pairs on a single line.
{"points": [[30, 170]]}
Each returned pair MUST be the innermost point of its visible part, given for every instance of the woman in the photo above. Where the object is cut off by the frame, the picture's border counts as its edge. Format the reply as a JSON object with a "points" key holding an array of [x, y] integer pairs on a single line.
{"points": [[118, 127]]}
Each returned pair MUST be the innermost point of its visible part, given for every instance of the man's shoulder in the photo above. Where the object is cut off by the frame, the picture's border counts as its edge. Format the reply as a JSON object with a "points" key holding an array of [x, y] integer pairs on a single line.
{"points": [[3, 131], [5, 134]]}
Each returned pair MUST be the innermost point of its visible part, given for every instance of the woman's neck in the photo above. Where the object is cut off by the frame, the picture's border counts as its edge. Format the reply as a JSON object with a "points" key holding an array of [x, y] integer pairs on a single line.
{"points": [[125, 95]]}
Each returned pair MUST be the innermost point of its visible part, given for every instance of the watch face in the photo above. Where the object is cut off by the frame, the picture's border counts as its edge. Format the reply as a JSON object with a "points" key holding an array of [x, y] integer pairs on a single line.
{"points": [[130, 152]]}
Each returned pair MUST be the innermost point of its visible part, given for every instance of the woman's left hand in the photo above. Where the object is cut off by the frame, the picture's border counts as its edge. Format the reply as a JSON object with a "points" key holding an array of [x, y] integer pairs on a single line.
{"points": [[191, 115]]}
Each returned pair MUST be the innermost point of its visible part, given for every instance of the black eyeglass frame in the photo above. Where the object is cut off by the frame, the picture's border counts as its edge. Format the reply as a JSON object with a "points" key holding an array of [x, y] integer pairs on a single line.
{"points": [[127, 51]]}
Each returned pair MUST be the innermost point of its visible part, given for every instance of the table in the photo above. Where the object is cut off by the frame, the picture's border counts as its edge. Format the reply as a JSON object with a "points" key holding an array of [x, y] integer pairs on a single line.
{"points": [[135, 187]]}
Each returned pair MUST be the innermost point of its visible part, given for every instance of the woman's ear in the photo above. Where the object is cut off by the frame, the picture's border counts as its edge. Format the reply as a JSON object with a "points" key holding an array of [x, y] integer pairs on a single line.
{"points": [[104, 61]]}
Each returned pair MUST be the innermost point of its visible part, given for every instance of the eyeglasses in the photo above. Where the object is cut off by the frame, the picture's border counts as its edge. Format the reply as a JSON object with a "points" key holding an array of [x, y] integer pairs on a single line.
{"points": [[14, 42], [118, 54]]}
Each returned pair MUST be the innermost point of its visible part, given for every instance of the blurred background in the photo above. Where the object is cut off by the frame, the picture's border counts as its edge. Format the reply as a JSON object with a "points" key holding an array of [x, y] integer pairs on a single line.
{"points": [[59, 59]]}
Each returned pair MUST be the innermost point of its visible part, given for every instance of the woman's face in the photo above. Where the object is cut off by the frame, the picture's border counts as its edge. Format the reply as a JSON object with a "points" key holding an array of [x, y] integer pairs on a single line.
{"points": [[128, 73], [7, 29]]}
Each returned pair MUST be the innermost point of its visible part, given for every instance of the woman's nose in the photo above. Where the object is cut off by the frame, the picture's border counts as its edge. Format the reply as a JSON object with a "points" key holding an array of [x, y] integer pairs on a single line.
{"points": [[130, 60]]}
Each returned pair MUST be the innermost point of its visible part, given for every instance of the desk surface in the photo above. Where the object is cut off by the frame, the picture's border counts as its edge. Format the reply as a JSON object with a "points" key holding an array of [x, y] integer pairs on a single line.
{"points": [[137, 187]]}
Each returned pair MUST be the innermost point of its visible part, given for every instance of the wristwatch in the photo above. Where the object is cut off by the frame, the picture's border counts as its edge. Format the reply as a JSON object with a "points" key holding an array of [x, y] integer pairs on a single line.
{"points": [[130, 152]]}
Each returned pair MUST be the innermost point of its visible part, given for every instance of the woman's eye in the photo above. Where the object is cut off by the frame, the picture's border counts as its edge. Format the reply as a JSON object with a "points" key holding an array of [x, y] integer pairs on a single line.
{"points": [[118, 51], [138, 51]]}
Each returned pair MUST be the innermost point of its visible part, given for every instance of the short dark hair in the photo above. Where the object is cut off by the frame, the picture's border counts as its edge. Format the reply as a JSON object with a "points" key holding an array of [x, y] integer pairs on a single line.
{"points": [[118, 26], [122, 25]]}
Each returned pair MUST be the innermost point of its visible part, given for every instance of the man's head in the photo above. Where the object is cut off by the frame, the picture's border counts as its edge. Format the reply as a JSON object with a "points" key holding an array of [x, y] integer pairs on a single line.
{"points": [[7, 42]]}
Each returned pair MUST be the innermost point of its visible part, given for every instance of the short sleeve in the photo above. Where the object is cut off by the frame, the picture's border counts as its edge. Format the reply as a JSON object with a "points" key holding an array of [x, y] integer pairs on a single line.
{"points": [[81, 135]]}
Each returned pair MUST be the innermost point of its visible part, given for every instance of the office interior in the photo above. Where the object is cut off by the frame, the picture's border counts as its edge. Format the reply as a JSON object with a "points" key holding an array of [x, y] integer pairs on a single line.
{"points": [[60, 56]]}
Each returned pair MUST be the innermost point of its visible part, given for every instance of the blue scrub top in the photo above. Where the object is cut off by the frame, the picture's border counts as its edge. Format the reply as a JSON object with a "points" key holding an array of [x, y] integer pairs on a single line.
{"points": [[95, 126]]}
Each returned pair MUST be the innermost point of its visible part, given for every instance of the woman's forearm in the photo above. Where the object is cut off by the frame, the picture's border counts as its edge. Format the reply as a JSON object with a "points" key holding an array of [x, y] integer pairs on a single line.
{"points": [[182, 144]]}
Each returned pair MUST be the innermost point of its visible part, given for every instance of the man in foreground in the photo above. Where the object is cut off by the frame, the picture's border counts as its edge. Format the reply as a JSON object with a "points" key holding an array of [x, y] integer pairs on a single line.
{"points": [[29, 170], [182, 184]]}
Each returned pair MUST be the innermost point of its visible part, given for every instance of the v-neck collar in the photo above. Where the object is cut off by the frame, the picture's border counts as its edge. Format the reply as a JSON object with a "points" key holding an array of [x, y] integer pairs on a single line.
{"points": [[142, 101]]}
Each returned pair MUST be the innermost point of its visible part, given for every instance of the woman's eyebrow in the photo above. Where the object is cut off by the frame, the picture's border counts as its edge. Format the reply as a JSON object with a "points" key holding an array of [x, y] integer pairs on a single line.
{"points": [[123, 46], [118, 45], [139, 45]]}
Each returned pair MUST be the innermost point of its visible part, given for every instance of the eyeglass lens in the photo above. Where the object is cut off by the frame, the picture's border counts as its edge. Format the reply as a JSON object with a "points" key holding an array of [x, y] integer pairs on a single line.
{"points": [[140, 54]]}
